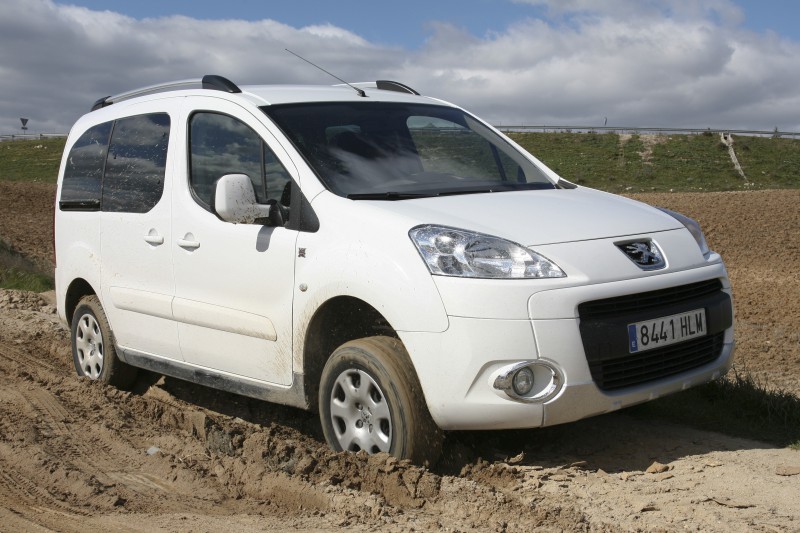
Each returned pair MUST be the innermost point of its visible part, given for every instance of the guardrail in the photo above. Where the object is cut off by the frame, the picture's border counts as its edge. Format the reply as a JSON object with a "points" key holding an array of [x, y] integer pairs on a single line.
{"points": [[637, 129], [542, 128], [30, 136]]}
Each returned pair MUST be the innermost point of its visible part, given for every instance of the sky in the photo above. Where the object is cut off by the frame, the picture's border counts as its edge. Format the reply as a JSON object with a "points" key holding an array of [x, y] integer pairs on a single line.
{"points": [[722, 64]]}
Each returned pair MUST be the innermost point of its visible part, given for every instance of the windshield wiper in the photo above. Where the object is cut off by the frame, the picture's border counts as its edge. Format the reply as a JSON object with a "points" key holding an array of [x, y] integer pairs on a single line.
{"points": [[390, 195], [499, 187]]}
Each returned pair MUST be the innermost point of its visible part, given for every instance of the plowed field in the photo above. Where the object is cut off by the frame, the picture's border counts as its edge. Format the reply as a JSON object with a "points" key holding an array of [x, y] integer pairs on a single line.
{"points": [[170, 456]]}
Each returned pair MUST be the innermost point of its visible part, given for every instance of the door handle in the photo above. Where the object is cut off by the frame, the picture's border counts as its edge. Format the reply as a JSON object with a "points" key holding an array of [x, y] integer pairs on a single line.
{"points": [[188, 242], [153, 237]]}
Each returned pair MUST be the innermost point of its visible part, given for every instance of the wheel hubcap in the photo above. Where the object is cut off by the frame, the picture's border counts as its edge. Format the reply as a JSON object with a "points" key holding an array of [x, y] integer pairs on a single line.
{"points": [[89, 346], [360, 413]]}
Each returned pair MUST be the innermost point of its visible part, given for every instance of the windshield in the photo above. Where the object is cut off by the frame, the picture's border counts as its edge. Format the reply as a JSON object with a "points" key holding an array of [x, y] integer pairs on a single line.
{"points": [[380, 150]]}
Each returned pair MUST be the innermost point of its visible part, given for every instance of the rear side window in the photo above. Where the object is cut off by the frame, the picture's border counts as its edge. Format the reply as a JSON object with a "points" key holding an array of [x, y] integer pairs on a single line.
{"points": [[136, 164], [125, 175], [83, 174], [220, 145]]}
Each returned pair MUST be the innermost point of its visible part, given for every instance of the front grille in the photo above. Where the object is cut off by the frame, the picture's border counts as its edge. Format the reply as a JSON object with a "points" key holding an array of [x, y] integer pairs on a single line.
{"points": [[642, 302], [604, 332], [656, 364]]}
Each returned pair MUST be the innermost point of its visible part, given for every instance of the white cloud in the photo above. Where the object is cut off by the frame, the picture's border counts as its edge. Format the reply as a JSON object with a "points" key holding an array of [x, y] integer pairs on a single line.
{"points": [[638, 63]]}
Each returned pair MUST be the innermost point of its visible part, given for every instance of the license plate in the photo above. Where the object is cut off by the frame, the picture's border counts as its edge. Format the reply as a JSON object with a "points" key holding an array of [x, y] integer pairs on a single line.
{"points": [[667, 330]]}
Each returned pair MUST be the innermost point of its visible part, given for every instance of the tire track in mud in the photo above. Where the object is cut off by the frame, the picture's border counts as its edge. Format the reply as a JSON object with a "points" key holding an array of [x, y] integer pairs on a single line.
{"points": [[66, 418], [28, 507], [30, 501], [96, 468], [94, 457], [252, 465], [26, 361]]}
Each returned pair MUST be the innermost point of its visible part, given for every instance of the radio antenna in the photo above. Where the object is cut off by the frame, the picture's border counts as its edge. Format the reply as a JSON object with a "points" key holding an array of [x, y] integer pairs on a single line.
{"points": [[360, 92]]}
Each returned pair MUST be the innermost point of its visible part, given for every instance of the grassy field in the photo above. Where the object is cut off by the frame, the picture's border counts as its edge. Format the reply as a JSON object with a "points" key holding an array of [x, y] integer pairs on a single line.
{"points": [[35, 160], [28, 160], [606, 161], [663, 163], [18, 272]]}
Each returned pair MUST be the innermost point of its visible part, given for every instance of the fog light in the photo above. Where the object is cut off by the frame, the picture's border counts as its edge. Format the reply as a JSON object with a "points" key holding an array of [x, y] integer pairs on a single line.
{"points": [[523, 381], [534, 381]]}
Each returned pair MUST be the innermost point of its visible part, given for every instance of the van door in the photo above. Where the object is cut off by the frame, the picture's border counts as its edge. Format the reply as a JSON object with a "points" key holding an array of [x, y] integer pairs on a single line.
{"points": [[135, 231], [234, 282]]}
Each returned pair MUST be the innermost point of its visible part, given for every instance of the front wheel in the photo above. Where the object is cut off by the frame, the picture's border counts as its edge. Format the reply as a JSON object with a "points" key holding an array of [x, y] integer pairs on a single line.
{"points": [[370, 399], [93, 350]]}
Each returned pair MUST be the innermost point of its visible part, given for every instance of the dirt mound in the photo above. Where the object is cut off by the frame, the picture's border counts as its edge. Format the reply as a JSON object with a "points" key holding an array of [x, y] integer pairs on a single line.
{"points": [[79, 456], [29, 301], [172, 456], [26, 219], [76, 455]]}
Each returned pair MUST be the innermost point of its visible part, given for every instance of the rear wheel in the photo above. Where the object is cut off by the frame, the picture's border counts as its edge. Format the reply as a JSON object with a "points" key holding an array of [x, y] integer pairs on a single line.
{"points": [[370, 399], [93, 350]]}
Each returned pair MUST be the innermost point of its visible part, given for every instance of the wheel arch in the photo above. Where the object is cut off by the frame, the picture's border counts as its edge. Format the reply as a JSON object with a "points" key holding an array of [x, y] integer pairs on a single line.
{"points": [[335, 322], [78, 288]]}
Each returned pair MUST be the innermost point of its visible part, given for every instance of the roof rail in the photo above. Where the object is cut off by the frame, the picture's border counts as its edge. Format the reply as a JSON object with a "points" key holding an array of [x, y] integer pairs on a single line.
{"points": [[209, 81], [388, 85]]}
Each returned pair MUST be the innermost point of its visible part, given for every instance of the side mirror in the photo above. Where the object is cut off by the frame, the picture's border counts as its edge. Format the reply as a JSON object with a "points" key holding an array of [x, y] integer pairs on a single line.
{"points": [[235, 200]]}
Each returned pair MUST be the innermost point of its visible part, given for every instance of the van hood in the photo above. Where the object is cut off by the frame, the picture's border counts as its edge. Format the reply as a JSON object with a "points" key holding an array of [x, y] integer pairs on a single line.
{"points": [[537, 217]]}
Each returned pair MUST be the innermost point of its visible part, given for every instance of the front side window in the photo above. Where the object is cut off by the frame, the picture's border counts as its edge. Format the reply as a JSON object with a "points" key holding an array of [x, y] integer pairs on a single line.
{"points": [[83, 174], [220, 145], [366, 150], [136, 164]]}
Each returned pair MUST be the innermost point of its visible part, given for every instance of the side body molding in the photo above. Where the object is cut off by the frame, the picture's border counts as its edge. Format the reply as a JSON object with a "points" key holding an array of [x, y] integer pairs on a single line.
{"points": [[194, 313]]}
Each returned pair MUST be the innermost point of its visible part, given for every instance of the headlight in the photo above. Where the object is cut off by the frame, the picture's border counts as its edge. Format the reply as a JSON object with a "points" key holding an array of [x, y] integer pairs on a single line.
{"points": [[456, 252], [694, 229]]}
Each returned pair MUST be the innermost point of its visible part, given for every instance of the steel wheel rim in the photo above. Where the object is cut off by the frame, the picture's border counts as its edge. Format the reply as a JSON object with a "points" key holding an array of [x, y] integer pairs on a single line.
{"points": [[360, 413], [89, 346]]}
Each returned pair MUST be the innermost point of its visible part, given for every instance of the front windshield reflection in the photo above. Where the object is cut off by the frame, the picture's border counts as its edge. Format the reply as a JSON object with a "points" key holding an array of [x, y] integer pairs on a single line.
{"points": [[373, 148]]}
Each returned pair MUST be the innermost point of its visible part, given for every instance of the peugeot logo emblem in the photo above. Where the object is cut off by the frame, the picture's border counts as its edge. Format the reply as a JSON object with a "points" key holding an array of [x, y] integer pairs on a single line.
{"points": [[646, 254]]}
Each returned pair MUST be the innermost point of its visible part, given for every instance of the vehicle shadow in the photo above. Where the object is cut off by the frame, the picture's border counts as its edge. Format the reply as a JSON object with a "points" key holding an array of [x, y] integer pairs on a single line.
{"points": [[615, 442], [232, 405]]}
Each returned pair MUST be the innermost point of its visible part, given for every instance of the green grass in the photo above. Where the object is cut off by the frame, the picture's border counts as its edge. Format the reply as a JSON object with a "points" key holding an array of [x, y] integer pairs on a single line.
{"points": [[737, 405], [771, 162], [18, 272], [604, 161], [22, 280], [685, 163], [31, 160]]}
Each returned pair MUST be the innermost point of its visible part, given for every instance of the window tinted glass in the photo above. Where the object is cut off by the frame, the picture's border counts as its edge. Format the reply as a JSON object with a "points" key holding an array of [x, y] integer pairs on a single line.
{"points": [[394, 150], [449, 148], [136, 165], [277, 180], [84, 171], [224, 145]]}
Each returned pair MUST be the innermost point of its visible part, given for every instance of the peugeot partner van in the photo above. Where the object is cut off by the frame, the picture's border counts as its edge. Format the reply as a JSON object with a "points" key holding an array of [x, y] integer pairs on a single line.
{"points": [[383, 257]]}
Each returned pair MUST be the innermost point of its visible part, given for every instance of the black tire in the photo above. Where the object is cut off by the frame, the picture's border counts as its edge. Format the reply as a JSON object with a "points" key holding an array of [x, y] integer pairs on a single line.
{"points": [[94, 352], [370, 399]]}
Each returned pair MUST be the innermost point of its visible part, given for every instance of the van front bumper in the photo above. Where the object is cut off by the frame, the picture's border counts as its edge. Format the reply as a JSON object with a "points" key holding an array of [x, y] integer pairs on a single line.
{"points": [[464, 371]]}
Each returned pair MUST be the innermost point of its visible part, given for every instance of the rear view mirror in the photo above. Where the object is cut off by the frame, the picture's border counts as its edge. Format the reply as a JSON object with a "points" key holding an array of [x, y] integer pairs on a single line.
{"points": [[235, 200]]}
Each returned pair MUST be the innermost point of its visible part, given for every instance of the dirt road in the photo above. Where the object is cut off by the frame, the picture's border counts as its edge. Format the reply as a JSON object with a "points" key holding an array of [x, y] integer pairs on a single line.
{"points": [[78, 456]]}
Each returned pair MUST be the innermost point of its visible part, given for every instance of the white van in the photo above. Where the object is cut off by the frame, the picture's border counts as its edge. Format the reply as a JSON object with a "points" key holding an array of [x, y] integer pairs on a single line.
{"points": [[384, 257]]}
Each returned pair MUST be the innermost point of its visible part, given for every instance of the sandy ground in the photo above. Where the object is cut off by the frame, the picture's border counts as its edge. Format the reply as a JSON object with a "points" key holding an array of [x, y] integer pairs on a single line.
{"points": [[170, 456]]}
